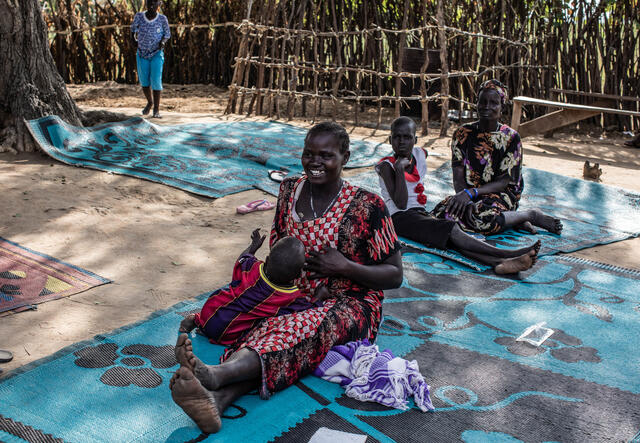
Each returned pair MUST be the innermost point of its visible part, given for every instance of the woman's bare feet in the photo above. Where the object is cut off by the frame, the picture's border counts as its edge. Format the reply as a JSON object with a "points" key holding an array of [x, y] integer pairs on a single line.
{"points": [[517, 264], [513, 253], [188, 324], [551, 224], [183, 345], [203, 372], [196, 401]]}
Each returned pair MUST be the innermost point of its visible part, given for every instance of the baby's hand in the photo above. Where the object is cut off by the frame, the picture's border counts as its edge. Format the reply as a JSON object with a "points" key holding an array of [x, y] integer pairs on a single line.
{"points": [[321, 294], [257, 239]]}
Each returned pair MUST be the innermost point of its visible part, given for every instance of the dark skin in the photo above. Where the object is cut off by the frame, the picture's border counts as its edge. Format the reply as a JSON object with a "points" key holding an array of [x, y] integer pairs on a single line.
{"points": [[205, 391], [489, 111], [402, 140], [504, 261], [323, 161], [153, 97]]}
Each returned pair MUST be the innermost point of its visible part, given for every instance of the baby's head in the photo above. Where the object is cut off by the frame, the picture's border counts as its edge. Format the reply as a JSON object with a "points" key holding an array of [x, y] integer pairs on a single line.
{"points": [[285, 261], [403, 136]]}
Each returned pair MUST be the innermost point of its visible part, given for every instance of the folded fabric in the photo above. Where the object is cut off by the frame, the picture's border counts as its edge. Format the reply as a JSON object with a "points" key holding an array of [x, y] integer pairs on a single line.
{"points": [[370, 375]]}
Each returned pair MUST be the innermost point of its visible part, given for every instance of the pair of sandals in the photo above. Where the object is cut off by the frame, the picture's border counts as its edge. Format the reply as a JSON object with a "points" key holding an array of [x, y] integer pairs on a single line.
{"points": [[147, 109]]}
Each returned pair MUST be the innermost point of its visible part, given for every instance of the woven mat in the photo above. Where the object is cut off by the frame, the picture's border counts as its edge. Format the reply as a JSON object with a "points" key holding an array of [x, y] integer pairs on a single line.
{"points": [[582, 384], [28, 277], [210, 159], [592, 213]]}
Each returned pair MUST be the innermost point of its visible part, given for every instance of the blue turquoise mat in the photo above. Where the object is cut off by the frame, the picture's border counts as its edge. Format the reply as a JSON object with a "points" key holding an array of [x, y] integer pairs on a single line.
{"points": [[592, 213], [211, 159], [581, 385]]}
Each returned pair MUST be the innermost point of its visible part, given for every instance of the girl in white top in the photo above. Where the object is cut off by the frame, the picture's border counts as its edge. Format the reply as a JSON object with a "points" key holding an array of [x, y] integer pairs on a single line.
{"points": [[402, 182]]}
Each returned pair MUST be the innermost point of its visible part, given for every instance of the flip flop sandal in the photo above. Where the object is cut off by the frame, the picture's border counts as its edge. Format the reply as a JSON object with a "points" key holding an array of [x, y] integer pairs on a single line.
{"points": [[156, 115], [5, 356], [276, 175], [257, 205], [146, 110]]}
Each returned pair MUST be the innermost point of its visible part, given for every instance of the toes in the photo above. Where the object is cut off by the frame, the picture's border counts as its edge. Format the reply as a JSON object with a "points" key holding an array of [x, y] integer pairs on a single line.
{"points": [[182, 338]]}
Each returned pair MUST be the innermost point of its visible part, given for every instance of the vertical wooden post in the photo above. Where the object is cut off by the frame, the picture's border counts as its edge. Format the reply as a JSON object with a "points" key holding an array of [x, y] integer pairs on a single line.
{"points": [[242, 50], [444, 89], [515, 116], [423, 84], [401, 51]]}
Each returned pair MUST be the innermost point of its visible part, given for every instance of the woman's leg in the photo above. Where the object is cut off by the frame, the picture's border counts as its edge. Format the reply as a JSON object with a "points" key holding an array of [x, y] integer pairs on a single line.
{"points": [[462, 241], [503, 261], [243, 365], [535, 216], [147, 94], [203, 406], [505, 265], [157, 63]]}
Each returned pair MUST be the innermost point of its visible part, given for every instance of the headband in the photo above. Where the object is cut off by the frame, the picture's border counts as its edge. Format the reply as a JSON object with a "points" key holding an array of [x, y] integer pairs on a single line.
{"points": [[497, 86]]}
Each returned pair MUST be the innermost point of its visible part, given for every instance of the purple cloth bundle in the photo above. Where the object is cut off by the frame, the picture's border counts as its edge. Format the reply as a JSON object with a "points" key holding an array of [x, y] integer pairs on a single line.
{"points": [[370, 375]]}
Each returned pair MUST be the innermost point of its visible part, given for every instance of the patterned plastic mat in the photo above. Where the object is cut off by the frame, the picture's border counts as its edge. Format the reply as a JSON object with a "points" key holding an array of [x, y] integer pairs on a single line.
{"points": [[211, 159], [28, 277], [592, 213], [579, 385]]}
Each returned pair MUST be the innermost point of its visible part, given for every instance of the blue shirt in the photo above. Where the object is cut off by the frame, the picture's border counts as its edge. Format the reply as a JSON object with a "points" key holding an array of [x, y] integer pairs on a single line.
{"points": [[150, 33]]}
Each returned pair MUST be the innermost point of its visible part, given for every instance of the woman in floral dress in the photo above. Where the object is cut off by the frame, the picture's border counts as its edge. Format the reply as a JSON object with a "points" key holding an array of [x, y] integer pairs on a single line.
{"points": [[352, 255], [486, 158]]}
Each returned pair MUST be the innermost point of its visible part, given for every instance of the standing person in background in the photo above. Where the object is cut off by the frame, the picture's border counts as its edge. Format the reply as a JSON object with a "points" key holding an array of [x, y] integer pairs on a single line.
{"points": [[150, 31]]}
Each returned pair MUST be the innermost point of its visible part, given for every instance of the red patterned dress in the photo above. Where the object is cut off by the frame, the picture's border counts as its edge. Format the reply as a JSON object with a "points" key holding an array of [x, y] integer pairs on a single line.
{"points": [[359, 226]]}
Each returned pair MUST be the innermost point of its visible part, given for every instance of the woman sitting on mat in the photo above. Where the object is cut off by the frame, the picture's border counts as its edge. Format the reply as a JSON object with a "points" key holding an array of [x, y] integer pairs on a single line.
{"points": [[402, 183], [487, 177], [352, 254]]}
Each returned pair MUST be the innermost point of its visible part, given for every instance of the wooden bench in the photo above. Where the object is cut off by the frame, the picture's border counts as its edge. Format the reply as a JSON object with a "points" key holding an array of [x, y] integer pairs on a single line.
{"points": [[568, 113]]}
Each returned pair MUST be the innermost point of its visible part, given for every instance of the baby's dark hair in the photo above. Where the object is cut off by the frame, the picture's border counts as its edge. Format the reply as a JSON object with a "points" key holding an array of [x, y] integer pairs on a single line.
{"points": [[285, 261], [403, 121], [332, 128]]}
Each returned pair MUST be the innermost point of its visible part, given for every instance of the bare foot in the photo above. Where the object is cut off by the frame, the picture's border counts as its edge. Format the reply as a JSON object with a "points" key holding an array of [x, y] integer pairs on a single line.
{"points": [[516, 264], [183, 346], [188, 324], [527, 227], [203, 372], [198, 403], [551, 224], [513, 253]]}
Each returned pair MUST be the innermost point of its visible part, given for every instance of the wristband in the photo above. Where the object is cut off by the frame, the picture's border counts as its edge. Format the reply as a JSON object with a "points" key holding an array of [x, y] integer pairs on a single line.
{"points": [[476, 191], [469, 194]]}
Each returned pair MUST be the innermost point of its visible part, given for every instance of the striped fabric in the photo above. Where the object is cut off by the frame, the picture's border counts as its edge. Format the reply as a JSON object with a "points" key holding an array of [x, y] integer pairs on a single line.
{"points": [[231, 311]]}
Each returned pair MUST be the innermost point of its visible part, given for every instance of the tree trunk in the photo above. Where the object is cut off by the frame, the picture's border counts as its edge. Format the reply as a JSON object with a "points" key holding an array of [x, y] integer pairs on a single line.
{"points": [[30, 86]]}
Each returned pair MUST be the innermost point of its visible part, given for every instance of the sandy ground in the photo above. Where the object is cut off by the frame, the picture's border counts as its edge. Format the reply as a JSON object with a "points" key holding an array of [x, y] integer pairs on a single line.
{"points": [[161, 245]]}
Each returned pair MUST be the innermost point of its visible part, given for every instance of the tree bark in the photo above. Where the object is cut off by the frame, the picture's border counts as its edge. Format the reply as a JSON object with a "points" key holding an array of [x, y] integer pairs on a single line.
{"points": [[30, 86]]}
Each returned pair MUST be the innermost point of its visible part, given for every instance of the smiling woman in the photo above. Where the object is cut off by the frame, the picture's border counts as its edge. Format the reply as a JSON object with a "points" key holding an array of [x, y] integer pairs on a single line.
{"points": [[352, 255]]}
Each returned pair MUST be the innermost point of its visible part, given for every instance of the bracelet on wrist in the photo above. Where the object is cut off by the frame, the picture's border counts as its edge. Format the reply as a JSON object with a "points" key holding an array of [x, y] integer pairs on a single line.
{"points": [[469, 194], [476, 191]]}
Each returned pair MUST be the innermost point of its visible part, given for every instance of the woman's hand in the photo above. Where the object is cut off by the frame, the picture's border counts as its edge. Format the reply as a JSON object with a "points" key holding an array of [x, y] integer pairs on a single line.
{"points": [[458, 203], [328, 262]]}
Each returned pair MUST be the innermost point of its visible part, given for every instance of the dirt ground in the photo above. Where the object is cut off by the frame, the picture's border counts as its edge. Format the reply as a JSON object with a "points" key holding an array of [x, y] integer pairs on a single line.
{"points": [[161, 245]]}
